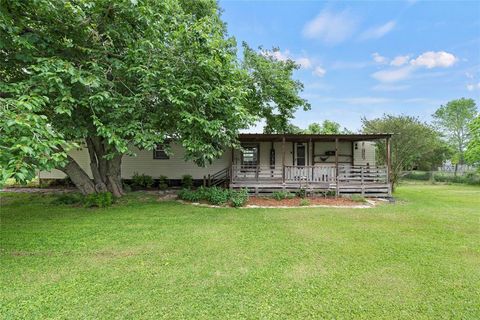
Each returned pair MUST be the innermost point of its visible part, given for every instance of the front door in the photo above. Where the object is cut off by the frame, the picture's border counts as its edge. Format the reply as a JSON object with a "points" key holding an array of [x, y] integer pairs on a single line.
{"points": [[300, 154]]}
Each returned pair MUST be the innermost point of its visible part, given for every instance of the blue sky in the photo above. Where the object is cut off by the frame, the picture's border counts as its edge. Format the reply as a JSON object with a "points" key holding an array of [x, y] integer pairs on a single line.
{"points": [[368, 58]]}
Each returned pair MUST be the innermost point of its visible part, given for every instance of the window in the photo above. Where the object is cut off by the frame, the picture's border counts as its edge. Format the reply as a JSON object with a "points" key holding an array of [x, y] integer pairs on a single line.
{"points": [[159, 152], [250, 154]]}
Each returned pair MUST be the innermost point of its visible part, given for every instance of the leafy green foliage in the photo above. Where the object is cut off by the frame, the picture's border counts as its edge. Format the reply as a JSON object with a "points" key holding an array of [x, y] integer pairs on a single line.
{"points": [[128, 73], [302, 193], [273, 94], [304, 202], [326, 127], [163, 183], [187, 181], [413, 142], [142, 180], [280, 195], [101, 200], [215, 196], [472, 154], [239, 198], [468, 178], [191, 195], [454, 119]]}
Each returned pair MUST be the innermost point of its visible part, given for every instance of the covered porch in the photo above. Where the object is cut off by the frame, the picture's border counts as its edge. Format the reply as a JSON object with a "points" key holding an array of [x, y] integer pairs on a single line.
{"points": [[344, 164]]}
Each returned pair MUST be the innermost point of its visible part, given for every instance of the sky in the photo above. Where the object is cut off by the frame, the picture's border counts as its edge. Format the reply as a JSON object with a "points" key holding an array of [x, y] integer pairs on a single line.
{"points": [[366, 58]]}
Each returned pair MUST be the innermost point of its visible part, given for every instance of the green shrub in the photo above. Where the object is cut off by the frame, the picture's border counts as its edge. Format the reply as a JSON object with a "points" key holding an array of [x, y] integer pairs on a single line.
{"points": [[469, 178], [68, 198], [418, 175], [302, 193], [187, 181], [101, 200], [239, 198], [280, 195], [190, 195], [142, 180], [163, 183], [218, 196], [304, 202], [357, 198]]}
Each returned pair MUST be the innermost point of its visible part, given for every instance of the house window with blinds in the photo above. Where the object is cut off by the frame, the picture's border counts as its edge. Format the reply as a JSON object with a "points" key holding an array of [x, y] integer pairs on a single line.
{"points": [[159, 152]]}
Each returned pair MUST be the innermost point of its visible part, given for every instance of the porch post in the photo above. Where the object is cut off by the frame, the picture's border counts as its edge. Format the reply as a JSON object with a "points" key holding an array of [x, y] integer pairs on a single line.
{"points": [[389, 164], [336, 165], [283, 159]]}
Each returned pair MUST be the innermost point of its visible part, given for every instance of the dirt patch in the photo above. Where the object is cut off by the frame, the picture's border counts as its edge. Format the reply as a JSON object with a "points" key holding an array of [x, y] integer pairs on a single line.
{"points": [[296, 202]]}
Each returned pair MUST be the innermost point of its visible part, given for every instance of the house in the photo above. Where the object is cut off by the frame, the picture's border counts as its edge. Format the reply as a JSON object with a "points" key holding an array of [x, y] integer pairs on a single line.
{"points": [[341, 163]]}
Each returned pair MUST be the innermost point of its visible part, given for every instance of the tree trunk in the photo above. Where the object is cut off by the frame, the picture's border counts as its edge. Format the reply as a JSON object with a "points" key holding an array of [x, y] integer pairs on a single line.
{"points": [[78, 176], [106, 172], [113, 176]]}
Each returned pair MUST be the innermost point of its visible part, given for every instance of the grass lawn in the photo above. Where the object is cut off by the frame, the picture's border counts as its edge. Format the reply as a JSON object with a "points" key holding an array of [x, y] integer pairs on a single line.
{"points": [[143, 259]]}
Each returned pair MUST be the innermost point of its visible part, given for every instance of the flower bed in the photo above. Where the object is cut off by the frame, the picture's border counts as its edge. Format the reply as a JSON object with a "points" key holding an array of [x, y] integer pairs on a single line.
{"points": [[297, 202]]}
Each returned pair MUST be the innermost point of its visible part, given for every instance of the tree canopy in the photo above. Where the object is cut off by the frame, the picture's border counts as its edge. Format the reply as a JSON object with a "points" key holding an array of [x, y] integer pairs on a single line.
{"points": [[453, 120], [473, 149], [112, 75], [413, 144]]}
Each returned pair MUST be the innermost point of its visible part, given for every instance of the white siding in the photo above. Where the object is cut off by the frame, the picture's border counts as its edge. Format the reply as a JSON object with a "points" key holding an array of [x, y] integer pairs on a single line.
{"points": [[364, 153], [344, 151], [143, 162], [176, 166]]}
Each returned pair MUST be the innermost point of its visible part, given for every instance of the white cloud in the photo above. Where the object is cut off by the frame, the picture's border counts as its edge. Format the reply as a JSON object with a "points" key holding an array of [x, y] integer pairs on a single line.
{"points": [[277, 54], [472, 86], [393, 75], [403, 70], [330, 27], [378, 32], [319, 71], [379, 58], [304, 62], [433, 59], [400, 60]]}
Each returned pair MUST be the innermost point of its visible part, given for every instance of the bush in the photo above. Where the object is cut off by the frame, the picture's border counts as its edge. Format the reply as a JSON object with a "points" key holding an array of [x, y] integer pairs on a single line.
{"points": [[304, 202], [239, 198], [142, 180], [217, 196], [101, 200], [280, 195], [163, 183], [418, 175], [68, 198], [190, 195], [302, 193], [187, 181], [469, 178]]}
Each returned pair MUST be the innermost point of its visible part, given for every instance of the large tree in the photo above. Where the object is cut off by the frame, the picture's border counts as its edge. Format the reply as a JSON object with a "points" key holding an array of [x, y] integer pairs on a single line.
{"points": [[413, 144], [472, 154], [115, 74], [326, 127], [453, 120]]}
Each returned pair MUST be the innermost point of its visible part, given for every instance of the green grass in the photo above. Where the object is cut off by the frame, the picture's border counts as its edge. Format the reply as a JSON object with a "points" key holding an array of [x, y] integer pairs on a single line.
{"points": [[143, 259]]}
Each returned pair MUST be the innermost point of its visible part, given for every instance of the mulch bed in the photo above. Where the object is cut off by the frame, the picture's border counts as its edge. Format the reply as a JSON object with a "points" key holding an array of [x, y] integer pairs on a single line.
{"points": [[295, 202]]}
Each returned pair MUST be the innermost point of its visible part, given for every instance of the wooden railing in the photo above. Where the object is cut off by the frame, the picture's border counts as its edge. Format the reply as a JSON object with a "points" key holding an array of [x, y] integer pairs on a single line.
{"points": [[362, 174], [310, 174]]}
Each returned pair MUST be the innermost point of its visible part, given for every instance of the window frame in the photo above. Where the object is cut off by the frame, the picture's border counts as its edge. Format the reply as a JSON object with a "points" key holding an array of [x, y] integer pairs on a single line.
{"points": [[160, 147]]}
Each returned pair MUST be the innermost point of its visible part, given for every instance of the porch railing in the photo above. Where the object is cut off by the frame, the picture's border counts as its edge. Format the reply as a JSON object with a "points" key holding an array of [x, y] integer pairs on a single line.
{"points": [[310, 174]]}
